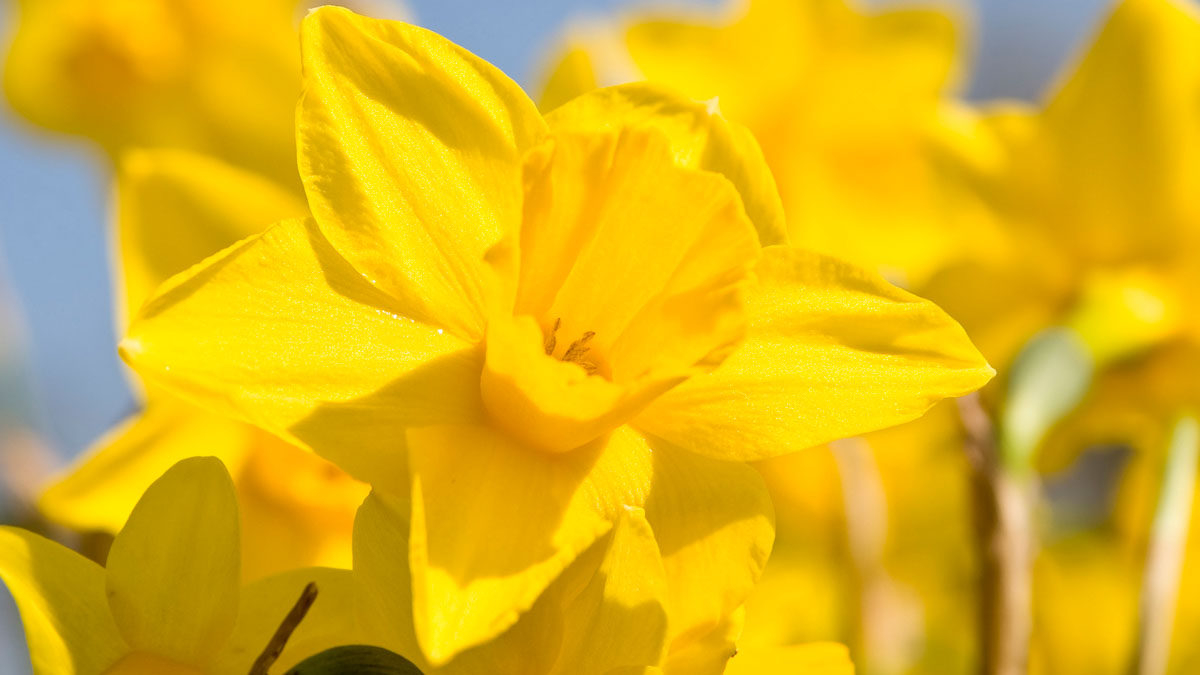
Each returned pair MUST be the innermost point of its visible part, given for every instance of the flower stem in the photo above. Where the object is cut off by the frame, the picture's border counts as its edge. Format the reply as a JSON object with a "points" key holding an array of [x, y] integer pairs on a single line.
{"points": [[1165, 550], [279, 640], [865, 505], [1004, 498]]}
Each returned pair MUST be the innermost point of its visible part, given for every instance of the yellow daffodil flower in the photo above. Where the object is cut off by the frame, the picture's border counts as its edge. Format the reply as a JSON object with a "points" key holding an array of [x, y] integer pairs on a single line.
{"points": [[218, 77], [531, 325], [169, 600], [845, 103], [297, 509]]}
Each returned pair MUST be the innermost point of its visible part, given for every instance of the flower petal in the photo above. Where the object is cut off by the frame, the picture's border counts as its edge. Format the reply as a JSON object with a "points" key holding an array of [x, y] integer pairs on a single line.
{"points": [[60, 595], [328, 623], [493, 524], [700, 137], [818, 658], [715, 525], [619, 618], [99, 491], [707, 653], [1124, 173], [173, 577], [177, 208], [410, 150], [279, 330], [832, 351]]}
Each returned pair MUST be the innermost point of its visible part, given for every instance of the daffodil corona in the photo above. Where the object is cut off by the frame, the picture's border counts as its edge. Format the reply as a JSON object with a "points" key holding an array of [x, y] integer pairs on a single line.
{"points": [[524, 327]]}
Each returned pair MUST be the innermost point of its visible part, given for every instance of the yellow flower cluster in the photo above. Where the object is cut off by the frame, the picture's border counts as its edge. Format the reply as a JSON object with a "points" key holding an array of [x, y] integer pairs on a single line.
{"points": [[473, 386]]}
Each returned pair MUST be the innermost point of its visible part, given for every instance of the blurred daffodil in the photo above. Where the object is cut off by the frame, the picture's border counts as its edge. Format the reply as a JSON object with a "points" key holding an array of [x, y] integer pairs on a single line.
{"points": [[170, 599], [531, 325], [218, 77], [297, 509], [845, 103]]}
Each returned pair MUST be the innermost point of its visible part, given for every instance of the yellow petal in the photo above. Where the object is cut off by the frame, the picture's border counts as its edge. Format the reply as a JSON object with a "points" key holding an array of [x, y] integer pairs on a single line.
{"points": [[383, 601], [173, 570], [329, 622], [715, 526], [176, 208], [807, 659], [832, 351], [100, 490], [410, 150], [281, 331], [493, 524], [706, 653], [700, 137], [60, 595], [383, 582], [619, 618], [1121, 136]]}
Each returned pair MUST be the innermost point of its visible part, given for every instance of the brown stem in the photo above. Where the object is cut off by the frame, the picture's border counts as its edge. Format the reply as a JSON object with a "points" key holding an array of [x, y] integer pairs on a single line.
{"points": [[1004, 526], [279, 640]]}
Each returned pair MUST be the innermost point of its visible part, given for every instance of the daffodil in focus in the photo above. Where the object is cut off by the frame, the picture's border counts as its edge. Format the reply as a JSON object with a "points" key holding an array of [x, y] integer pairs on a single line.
{"points": [[297, 509], [525, 327], [846, 103], [218, 77], [169, 600]]}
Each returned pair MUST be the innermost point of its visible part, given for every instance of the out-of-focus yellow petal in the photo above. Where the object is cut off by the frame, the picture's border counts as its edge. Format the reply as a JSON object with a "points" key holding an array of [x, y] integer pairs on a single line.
{"points": [[619, 618], [329, 622], [832, 351], [573, 75], [410, 150], [60, 595], [281, 331], [173, 577], [1121, 137], [493, 524], [218, 77], [807, 659], [714, 524], [700, 137], [297, 508], [176, 208], [98, 492]]}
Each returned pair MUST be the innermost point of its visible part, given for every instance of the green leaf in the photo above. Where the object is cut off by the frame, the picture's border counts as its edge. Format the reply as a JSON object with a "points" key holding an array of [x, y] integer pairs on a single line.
{"points": [[355, 660]]}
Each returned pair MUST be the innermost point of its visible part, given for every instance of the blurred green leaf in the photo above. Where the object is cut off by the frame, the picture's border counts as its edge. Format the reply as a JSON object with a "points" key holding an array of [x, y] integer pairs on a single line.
{"points": [[1049, 378]]}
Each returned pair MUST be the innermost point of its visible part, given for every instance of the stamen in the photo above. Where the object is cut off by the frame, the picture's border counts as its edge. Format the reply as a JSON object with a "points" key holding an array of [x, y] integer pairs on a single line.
{"points": [[552, 339], [576, 351]]}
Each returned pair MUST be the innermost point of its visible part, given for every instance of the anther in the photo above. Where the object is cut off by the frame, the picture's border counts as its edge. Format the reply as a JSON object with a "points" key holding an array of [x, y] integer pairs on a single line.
{"points": [[552, 339]]}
